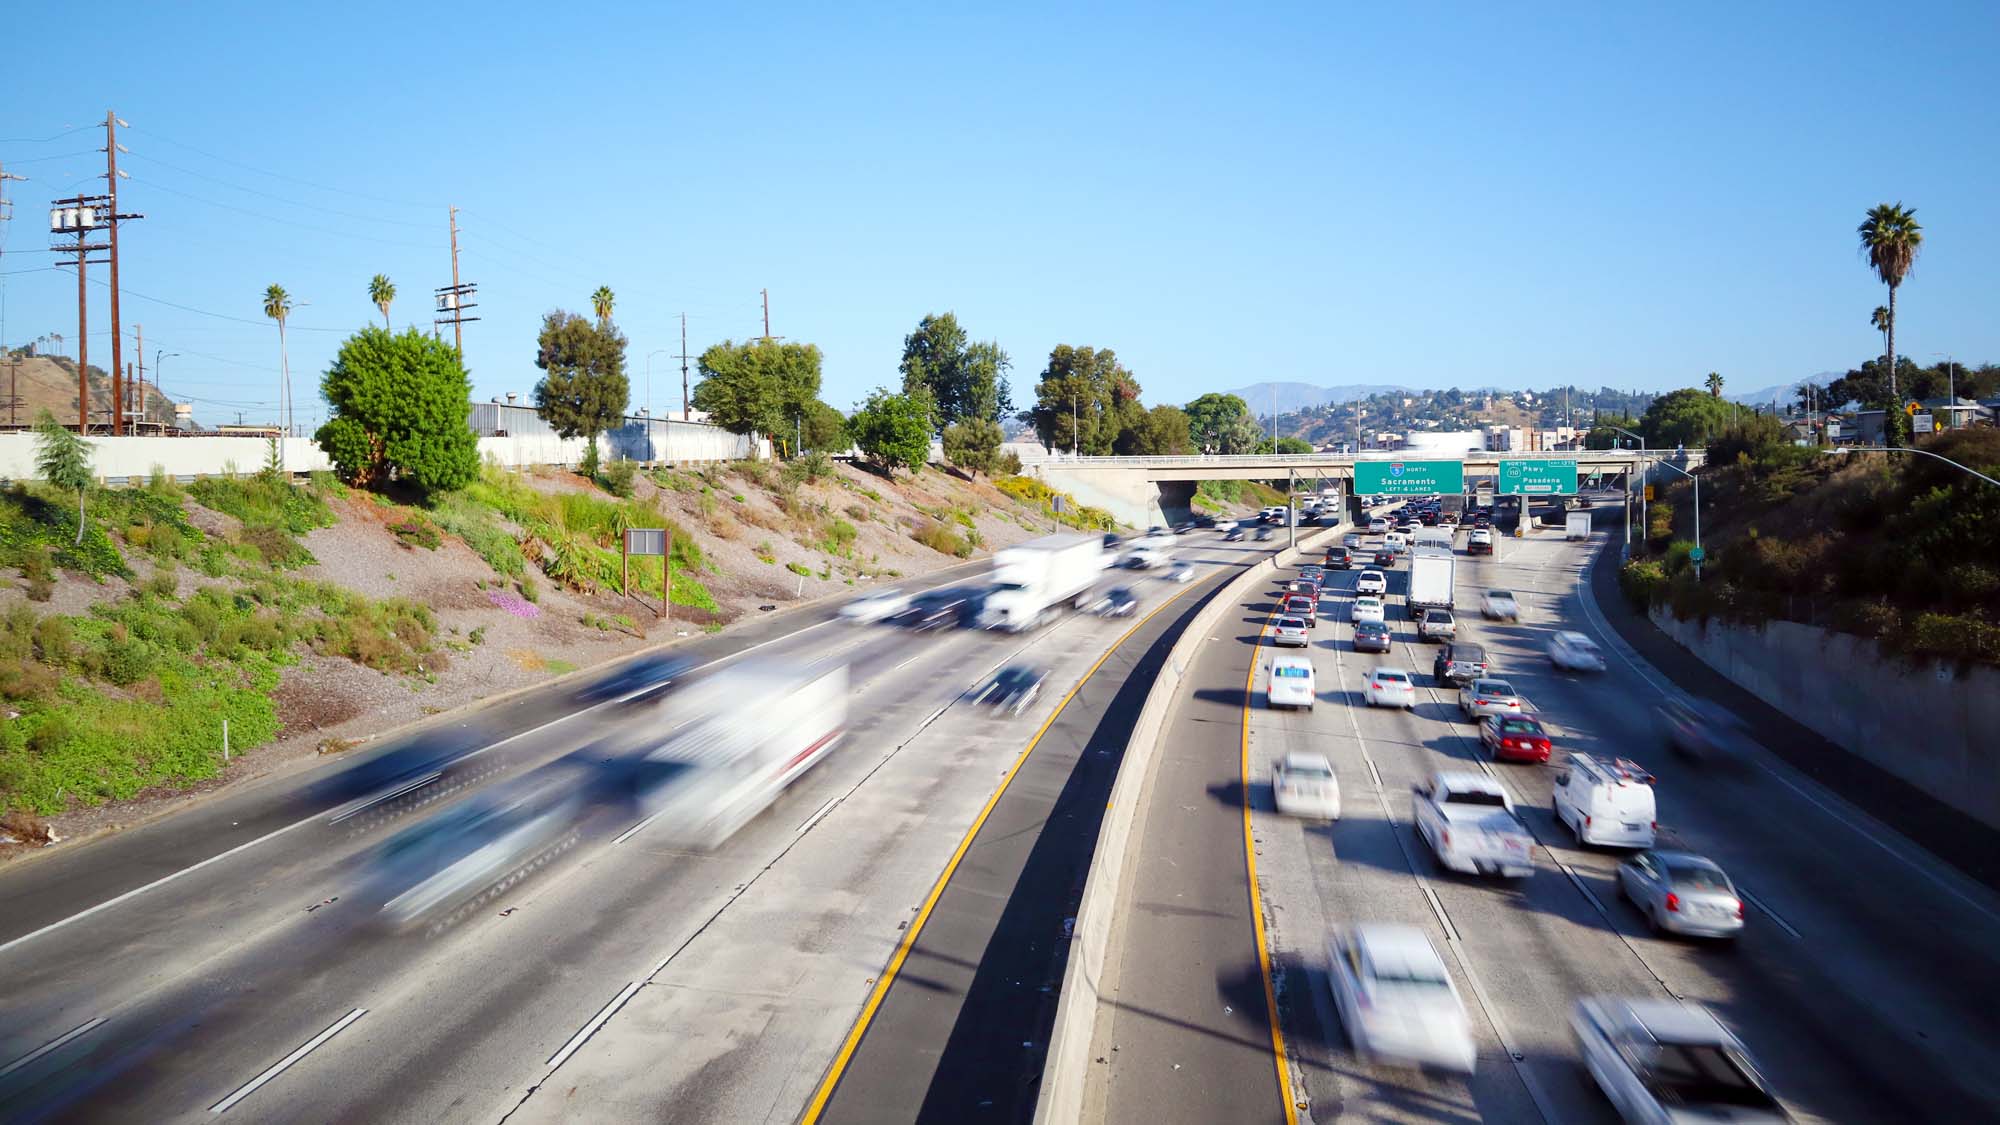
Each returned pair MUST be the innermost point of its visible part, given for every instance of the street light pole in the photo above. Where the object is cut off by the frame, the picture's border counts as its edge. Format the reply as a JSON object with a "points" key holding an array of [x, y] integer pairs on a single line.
{"points": [[1698, 552], [1911, 449]]}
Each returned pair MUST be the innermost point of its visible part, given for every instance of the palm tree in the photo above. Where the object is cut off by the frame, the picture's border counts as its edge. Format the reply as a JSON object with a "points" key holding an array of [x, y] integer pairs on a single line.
{"points": [[382, 291], [278, 306], [1715, 383], [601, 301], [1891, 238]]}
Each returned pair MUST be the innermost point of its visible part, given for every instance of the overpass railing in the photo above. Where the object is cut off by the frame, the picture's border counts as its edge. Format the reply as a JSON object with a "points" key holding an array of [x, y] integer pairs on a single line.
{"points": [[1321, 460]]}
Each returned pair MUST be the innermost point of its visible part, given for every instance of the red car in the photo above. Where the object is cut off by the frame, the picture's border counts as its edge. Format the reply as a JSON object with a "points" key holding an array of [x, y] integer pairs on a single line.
{"points": [[1514, 738]]}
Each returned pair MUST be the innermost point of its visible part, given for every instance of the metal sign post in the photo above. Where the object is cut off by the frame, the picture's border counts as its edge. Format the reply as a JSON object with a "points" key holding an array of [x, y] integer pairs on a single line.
{"points": [[646, 542]]}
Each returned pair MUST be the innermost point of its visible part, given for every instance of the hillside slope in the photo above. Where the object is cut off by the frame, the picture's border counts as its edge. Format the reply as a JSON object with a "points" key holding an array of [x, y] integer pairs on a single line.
{"points": [[32, 384]]}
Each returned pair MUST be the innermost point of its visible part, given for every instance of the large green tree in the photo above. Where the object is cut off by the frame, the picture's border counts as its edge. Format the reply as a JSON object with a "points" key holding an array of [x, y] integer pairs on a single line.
{"points": [[1085, 400], [583, 390], [973, 445], [758, 386], [1684, 417], [1159, 432], [967, 379], [400, 405], [1604, 431], [63, 459], [825, 429], [895, 429], [1891, 238], [1221, 423]]}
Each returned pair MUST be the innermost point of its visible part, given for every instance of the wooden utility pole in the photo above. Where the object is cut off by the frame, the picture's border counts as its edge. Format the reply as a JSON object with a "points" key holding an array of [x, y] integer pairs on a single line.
{"points": [[452, 300], [117, 335], [457, 331], [14, 362], [684, 366], [767, 315], [78, 217], [139, 345]]}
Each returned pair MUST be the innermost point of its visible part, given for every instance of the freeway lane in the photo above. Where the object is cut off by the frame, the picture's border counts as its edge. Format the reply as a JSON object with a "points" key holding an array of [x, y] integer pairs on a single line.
{"points": [[1864, 982]]}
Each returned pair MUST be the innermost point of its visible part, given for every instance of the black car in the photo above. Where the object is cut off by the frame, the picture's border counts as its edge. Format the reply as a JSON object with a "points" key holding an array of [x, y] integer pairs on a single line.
{"points": [[1233, 535], [405, 766], [1386, 558], [1338, 558], [1012, 689], [937, 609], [1118, 601], [1111, 541], [637, 680]]}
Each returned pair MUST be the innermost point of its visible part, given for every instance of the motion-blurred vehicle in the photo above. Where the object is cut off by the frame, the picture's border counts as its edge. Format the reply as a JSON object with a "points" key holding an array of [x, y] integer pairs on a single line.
{"points": [[1606, 801], [637, 679], [1159, 537], [1470, 825], [1682, 893], [1397, 541], [1291, 683], [1012, 689], [876, 605], [1366, 609], [400, 769], [1515, 738], [1488, 696], [1459, 662], [1479, 541], [1303, 605], [1234, 535], [1351, 540], [1384, 558], [1437, 625], [432, 868], [1700, 729], [1032, 581], [1499, 605], [1111, 541], [1118, 601], [1313, 573], [1371, 636], [1180, 574], [1666, 1061], [948, 608], [1263, 533], [1145, 558], [1576, 525], [1339, 558], [1291, 630], [1304, 785], [1573, 652], [757, 726], [1396, 998], [1302, 587], [1389, 687], [1225, 525], [1371, 582]]}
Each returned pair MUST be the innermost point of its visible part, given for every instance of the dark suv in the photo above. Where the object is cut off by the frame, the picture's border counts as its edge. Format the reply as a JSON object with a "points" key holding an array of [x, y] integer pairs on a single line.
{"points": [[1459, 662], [1339, 558]]}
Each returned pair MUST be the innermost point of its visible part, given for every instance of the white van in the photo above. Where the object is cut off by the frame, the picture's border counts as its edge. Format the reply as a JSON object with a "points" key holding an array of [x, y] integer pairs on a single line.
{"points": [[1607, 802], [1396, 541]]}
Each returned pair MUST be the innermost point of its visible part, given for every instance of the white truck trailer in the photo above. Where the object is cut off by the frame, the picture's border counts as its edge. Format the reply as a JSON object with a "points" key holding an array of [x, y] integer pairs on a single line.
{"points": [[1431, 567], [1576, 525], [1033, 581]]}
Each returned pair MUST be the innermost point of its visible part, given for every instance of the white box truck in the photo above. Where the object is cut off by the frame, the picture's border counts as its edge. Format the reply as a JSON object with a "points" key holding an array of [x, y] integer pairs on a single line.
{"points": [[1034, 580], [1577, 526], [1430, 580]]}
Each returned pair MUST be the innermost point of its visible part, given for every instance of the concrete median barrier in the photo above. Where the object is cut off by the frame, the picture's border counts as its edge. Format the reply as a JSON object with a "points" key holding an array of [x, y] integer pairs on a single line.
{"points": [[1066, 1073]]}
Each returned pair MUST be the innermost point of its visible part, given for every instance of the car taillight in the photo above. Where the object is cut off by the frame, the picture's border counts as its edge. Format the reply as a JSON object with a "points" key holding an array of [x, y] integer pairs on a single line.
{"points": [[1586, 820], [1656, 826], [1673, 902], [1447, 838], [1739, 908]]}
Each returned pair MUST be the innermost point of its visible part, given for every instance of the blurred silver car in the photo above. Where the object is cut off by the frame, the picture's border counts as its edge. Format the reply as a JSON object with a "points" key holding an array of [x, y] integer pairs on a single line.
{"points": [[1396, 999], [434, 867], [1291, 631], [1488, 696], [1574, 652], [876, 605], [1663, 1061], [1682, 894], [1304, 785]]}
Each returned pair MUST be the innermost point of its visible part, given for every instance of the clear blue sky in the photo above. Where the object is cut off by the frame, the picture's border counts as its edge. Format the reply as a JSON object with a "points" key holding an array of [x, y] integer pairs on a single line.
{"points": [[1470, 194]]}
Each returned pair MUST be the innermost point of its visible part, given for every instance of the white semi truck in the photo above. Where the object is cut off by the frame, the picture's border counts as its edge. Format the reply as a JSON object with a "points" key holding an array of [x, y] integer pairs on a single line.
{"points": [[1431, 565], [1033, 581]]}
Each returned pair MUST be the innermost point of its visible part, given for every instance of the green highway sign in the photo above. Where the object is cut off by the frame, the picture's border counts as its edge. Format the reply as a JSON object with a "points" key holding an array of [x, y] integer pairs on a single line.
{"points": [[1409, 478], [1538, 478]]}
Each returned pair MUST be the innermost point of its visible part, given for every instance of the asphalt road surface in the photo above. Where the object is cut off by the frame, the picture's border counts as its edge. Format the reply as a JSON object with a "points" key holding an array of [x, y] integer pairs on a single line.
{"points": [[1864, 983], [620, 978]]}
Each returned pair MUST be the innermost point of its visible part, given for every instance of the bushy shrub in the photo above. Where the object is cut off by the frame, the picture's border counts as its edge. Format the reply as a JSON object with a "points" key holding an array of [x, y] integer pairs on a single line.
{"points": [[275, 546], [617, 478], [942, 539], [417, 532], [1955, 637], [1642, 581]]}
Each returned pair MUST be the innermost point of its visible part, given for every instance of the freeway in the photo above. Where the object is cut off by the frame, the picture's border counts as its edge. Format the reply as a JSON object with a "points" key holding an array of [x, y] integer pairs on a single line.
{"points": [[1864, 983], [254, 980]]}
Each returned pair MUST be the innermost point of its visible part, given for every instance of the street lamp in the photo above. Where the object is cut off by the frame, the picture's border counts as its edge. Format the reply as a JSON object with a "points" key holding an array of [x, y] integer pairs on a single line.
{"points": [[158, 355], [1951, 388], [1697, 514], [1910, 449]]}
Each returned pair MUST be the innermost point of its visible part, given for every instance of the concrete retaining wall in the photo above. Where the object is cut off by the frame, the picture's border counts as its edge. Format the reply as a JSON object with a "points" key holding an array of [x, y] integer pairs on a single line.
{"points": [[1068, 1068], [1923, 722]]}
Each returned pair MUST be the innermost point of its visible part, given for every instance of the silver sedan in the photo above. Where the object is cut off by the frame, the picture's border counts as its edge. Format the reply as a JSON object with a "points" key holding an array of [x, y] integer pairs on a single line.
{"points": [[1487, 696], [1682, 894]]}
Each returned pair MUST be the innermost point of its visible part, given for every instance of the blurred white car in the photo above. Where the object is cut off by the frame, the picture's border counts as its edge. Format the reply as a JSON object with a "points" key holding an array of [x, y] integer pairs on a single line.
{"points": [[1304, 785], [1377, 526], [1500, 605], [1575, 652], [876, 605], [1159, 537], [1682, 894], [1291, 631], [1291, 683], [1146, 558], [1396, 998], [1389, 687], [1371, 582], [1179, 574], [1667, 1061], [1366, 609], [1225, 525]]}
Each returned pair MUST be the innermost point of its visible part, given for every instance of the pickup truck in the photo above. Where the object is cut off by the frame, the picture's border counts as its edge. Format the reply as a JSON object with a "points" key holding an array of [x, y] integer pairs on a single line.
{"points": [[1470, 825]]}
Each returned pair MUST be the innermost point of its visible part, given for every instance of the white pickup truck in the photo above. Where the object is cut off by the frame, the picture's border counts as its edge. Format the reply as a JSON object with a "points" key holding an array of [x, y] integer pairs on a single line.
{"points": [[1470, 825]]}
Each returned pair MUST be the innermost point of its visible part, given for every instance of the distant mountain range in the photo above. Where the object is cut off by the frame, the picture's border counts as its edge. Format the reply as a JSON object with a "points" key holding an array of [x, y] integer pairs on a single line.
{"points": [[1783, 393], [1291, 397]]}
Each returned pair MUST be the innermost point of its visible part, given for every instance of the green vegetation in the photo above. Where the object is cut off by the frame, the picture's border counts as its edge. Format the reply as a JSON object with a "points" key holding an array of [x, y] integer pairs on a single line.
{"points": [[399, 408], [63, 459], [894, 430], [943, 540], [966, 381], [1901, 548], [765, 387], [1220, 495], [583, 389], [1222, 423], [1033, 492], [974, 445]]}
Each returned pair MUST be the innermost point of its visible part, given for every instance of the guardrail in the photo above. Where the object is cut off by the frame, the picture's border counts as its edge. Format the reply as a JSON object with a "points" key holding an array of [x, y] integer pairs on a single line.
{"points": [[1231, 460], [1067, 1071]]}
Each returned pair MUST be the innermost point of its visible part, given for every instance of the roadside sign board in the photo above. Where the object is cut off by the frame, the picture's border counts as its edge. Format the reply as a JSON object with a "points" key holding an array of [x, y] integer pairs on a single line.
{"points": [[1409, 478], [646, 542], [1922, 424], [1696, 554], [1538, 478]]}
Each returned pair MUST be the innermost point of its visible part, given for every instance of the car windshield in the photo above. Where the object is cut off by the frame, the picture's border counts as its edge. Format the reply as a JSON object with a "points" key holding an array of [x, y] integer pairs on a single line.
{"points": [[1475, 797], [1693, 875], [1703, 1074], [1495, 687], [1520, 726], [1309, 772], [1437, 617], [1393, 677], [1499, 595], [1416, 978], [1291, 623]]}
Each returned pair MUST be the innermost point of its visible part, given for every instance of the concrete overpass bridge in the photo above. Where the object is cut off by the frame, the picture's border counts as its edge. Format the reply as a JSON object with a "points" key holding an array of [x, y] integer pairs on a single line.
{"points": [[1160, 490]]}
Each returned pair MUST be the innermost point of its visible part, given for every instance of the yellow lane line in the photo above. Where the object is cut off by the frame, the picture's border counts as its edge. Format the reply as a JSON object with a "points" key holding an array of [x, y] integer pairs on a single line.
{"points": [[1256, 899], [824, 1094]]}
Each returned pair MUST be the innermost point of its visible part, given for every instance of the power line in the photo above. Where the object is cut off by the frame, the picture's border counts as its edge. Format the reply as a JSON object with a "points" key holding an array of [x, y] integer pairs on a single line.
{"points": [[46, 140], [265, 323], [280, 175], [157, 186], [279, 198]]}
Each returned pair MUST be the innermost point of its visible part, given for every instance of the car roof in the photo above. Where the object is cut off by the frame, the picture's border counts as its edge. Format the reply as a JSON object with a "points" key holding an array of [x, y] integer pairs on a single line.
{"points": [[1670, 1021], [1292, 660], [1466, 781], [1381, 668], [1491, 683], [1572, 636], [1466, 648], [1393, 946], [1299, 759]]}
